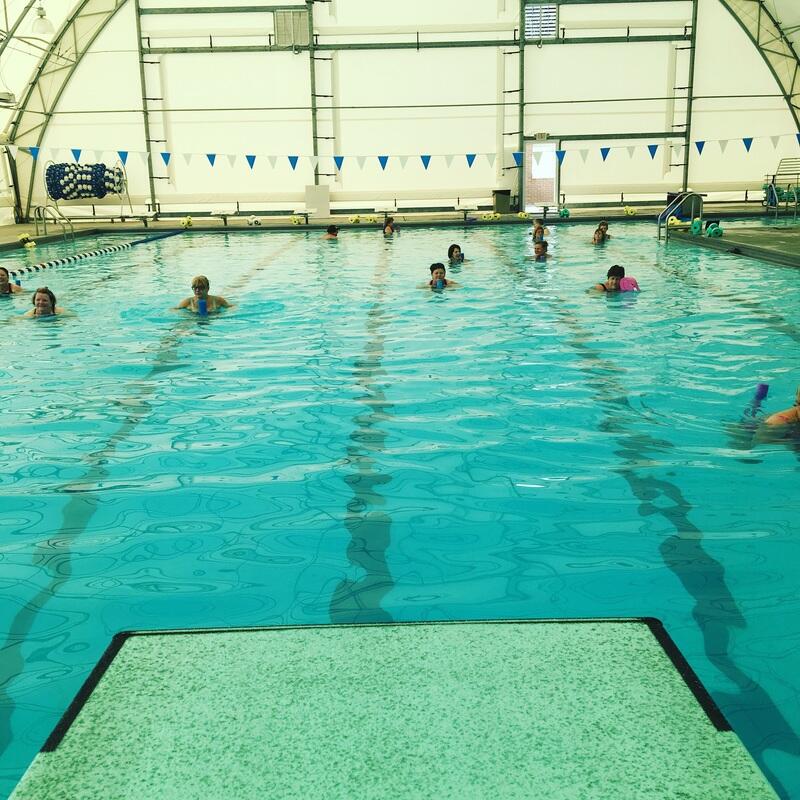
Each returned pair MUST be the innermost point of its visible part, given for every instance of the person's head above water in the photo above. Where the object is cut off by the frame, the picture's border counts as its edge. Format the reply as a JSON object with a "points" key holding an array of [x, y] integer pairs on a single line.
{"points": [[200, 286], [540, 248], [599, 236], [603, 225], [615, 274], [454, 253], [5, 277], [438, 271], [44, 302], [332, 230]]}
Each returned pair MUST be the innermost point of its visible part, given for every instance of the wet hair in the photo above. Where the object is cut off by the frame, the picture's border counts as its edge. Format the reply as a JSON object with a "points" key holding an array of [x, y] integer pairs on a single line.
{"points": [[451, 249], [602, 234], [616, 272], [389, 221], [8, 274], [543, 243], [201, 279], [332, 229], [601, 223], [44, 290], [436, 266]]}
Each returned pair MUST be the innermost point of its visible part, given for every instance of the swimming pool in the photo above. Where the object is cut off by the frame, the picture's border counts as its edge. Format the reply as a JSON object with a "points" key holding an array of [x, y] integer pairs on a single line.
{"points": [[345, 447]]}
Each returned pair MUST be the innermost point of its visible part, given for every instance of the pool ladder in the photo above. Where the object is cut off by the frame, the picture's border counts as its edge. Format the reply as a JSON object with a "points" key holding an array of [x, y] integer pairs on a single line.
{"points": [[677, 202], [41, 214]]}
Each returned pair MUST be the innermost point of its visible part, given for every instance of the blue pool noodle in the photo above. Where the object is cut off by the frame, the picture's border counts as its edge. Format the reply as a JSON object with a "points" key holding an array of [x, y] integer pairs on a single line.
{"points": [[440, 284], [202, 308]]}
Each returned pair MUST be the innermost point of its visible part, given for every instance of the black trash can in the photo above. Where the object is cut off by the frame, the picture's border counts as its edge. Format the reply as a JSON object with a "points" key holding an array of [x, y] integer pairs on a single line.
{"points": [[501, 201]]}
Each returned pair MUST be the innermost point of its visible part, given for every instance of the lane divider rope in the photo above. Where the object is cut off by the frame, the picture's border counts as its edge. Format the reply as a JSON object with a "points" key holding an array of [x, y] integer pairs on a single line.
{"points": [[58, 262]]}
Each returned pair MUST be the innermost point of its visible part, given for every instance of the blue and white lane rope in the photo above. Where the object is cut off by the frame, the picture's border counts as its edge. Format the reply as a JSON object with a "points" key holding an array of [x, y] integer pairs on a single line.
{"points": [[58, 262]]}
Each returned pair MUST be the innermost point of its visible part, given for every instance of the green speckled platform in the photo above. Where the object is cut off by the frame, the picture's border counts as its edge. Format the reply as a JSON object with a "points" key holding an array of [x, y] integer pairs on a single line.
{"points": [[778, 245], [556, 710]]}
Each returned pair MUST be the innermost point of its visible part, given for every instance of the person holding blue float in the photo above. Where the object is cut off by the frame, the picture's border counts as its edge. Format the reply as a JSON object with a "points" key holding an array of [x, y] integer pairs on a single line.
{"points": [[438, 281], [617, 282], [454, 254], [202, 302], [6, 287]]}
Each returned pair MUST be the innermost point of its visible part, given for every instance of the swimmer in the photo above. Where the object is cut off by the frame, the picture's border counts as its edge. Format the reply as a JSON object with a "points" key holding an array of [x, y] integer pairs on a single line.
{"points": [[789, 416], [331, 233], [388, 226], [614, 275], [438, 273], [599, 236], [6, 287], [200, 287], [454, 254], [540, 250], [603, 226], [539, 231], [44, 304]]}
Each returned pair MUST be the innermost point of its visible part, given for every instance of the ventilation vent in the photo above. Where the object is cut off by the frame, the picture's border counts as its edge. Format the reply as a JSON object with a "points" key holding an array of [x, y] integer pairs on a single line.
{"points": [[541, 21], [291, 29]]}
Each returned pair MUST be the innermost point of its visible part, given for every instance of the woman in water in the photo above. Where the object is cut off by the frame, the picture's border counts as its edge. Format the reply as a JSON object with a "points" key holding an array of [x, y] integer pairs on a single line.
{"points": [[6, 287], [44, 304], [454, 254], [200, 287], [438, 273]]}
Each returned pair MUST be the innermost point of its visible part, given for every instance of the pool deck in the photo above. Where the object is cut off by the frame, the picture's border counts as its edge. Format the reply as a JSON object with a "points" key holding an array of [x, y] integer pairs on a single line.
{"points": [[776, 245], [557, 709], [9, 234]]}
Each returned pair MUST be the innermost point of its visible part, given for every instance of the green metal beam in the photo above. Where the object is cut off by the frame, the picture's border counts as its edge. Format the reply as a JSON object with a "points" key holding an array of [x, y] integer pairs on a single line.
{"points": [[588, 137], [221, 10], [145, 109], [521, 111], [9, 35], [266, 48], [687, 153], [312, 71]]}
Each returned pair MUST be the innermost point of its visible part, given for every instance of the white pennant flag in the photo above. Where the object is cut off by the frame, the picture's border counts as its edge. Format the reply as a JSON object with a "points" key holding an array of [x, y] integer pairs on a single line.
{"points": [[12, 149], [491, 157], [537, 156], [403, 161], [272, 161], [723, 145], [631, 151], [143, 156], [361, 160], [231, 160], [678, 151], [314, 161], [584, 154], [448, 160], [56, 154], [775, 140], [98, 155], [187, 158]]}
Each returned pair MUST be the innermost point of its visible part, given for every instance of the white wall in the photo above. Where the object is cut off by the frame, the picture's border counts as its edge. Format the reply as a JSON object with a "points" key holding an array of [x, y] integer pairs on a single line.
{"points": [[572, 90]]}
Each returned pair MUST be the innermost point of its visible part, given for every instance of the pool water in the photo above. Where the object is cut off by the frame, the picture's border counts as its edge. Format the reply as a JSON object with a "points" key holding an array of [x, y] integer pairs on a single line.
{"points": [[346, 447]]}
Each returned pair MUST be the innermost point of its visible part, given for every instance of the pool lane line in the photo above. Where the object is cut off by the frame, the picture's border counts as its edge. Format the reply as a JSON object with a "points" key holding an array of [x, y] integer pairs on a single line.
{"points": [[58, 262], [81, 507], [716, 611], [369, 526]]}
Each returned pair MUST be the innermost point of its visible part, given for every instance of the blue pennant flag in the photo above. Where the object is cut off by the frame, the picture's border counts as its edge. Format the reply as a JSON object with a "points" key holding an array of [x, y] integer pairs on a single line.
{"points": [[76, 154], [604, 151], [166, 157], [338, 160], [748, 143], [212, 157], [34, 151], [700, 146], [653, 148], [426, 160], [518, 159], [470, 159], [293, 161], [384, 160], [123, 156], [560, 155], [251, 160]]}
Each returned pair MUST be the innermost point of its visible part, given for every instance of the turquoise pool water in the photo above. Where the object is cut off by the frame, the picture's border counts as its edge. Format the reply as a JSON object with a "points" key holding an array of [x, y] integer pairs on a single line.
{"points": [[343, 447]]}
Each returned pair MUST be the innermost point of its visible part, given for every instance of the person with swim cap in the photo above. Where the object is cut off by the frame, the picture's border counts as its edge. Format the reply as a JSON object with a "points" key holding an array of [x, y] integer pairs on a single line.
{"points": [[44, 304], [789, 416], [454, 254], [6, 287], [200, 287], [438, 273], [331, 233]]}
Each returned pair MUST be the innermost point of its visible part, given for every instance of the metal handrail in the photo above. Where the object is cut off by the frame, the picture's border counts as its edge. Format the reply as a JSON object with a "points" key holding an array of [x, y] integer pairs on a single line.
{"points": [[674, 205], [42, 213]]}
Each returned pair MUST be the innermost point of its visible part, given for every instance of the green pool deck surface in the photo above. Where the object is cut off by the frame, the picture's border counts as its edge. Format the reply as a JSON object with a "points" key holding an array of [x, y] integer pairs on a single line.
{"points": [[547, 709], [778, 245]]}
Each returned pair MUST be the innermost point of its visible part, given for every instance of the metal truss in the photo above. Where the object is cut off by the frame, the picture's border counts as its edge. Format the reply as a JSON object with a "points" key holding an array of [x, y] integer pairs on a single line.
{"points": [[775, 47], [48, 82]]}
